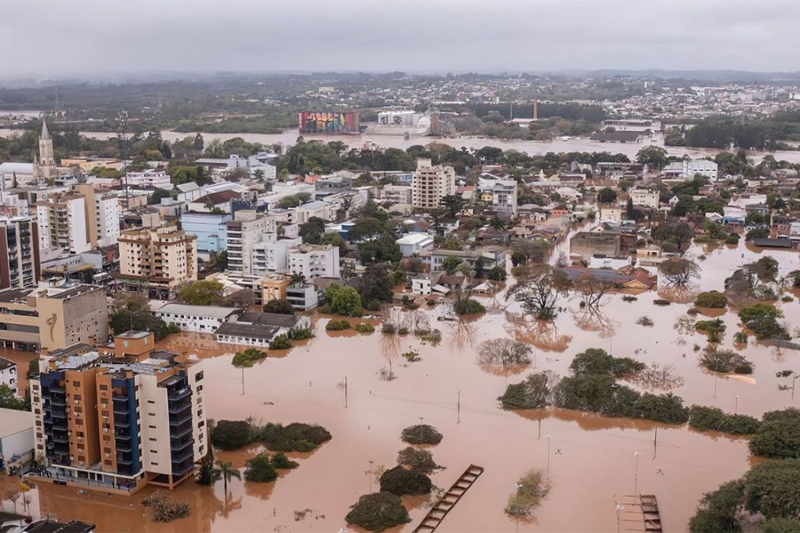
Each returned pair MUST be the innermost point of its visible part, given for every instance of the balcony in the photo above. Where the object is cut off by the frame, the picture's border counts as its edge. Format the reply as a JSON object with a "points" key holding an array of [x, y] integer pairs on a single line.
{"points": [[177, 421], [188, 453], [178, 408], [121, 422], [124, 458], [179, 443], [123, 446], [181, 431]]}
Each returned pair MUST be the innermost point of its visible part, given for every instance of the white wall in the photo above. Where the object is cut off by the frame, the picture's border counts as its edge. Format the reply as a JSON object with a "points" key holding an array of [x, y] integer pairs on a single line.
{"points": [[156, 454]]}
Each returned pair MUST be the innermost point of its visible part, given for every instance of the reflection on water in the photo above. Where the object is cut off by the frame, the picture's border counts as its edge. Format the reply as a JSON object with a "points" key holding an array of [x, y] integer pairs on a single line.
{"points": [[591, 458]]}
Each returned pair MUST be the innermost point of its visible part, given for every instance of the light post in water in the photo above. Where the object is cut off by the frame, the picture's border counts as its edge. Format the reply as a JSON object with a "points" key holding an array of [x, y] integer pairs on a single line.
{"points": [[548, 456], [736, 407], [636, 474]]}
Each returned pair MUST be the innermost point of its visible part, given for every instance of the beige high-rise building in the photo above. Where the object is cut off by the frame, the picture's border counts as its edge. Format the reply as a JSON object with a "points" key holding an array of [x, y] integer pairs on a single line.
{"points": [[245, 230], [156, 261], [430, 183], [102, 216], [53, 315], [117, 420]]}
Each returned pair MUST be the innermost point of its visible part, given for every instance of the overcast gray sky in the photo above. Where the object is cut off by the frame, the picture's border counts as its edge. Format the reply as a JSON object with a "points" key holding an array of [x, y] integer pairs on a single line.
{"points": [[58, 37]]}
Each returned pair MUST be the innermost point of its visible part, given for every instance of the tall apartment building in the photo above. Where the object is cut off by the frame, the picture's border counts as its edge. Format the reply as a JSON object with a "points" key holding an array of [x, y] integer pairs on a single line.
{"points": [[19, 252], [155, 261], [118, 421], [430, 183], [62, 223], [314, 261], [245, 230], [102, 216], [504, 197]]}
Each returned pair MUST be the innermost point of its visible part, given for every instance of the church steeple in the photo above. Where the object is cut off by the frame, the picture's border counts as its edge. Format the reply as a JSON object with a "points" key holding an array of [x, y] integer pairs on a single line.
{"points": [[47, 163], [45, 134]]}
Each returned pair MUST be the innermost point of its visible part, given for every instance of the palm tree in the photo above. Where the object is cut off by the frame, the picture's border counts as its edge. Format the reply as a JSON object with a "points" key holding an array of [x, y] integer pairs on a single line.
{"points": [[227, 472]]}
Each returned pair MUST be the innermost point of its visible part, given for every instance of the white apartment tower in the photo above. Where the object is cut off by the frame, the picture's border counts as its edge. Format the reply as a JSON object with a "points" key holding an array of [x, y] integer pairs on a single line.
{"points": [[243, 232], [62, 223], [430, 183], [102, 216]]}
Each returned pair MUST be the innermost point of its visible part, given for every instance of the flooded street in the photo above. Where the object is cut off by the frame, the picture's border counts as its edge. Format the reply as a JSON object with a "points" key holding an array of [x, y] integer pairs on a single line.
{"points": [[591, 459], [576, 144]]}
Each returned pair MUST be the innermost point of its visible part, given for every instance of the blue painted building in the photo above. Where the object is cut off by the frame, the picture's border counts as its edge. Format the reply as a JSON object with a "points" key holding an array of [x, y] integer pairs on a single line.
{"points": [[210, 230]]}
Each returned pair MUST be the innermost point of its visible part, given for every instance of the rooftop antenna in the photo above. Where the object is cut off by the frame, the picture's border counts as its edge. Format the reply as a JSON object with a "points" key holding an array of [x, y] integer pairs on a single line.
{"points": [[123, 150]]}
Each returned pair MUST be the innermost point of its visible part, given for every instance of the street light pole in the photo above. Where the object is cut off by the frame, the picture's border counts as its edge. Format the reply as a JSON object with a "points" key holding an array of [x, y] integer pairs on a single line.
{"points": [[548, 456], [636, 474], [736, 408]]}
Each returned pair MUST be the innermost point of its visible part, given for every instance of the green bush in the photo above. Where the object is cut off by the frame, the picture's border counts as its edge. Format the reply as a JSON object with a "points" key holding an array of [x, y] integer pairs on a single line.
{"points": [[726, 362], [773, 489], [260, 469], [164, 508], [762, 319], [402, 331], [300, 334], [248, 358], [732, 238], [400, 481], [365, 328], [295, 437], [421, 434], [281, 306], [714, 329], [281, 462], [629, 298], [597, 361], [281, 342], [711, 299], [417, 460], [468, 306], [532, 488], [665, 408], [337, 325], [778, 436], [378, 511], [717, 510], [230, 434], [661, 302], [388, 328], [781, 525], [535, 392], [704, 418]]}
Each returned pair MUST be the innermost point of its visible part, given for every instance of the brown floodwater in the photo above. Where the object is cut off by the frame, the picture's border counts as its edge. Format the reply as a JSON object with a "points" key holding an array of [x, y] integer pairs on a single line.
{"points": [[591, 459]]}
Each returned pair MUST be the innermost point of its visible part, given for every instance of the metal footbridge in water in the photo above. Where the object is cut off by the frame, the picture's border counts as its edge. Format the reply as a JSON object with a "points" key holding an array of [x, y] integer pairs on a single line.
{"points": [[449, 500], [639, 513]]}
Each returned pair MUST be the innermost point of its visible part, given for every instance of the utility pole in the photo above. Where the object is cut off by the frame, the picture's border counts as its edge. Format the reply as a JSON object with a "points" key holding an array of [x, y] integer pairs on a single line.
{"points": [[459, 407], [345, 392], [242, 381], [636, 475], [548, 456]]}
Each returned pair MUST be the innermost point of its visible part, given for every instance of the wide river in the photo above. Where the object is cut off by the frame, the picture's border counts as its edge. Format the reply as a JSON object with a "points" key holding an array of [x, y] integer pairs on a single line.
{"points": [[591, 459], [580, 144]]}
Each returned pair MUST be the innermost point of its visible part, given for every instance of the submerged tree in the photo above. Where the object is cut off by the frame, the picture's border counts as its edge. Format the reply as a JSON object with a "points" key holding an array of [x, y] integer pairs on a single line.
{"points": [[678, 272], [540, 292], [504, 356]]}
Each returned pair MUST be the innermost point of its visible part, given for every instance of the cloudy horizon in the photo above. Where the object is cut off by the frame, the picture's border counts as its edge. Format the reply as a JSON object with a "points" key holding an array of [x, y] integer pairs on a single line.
{"points": [[93, 37]]}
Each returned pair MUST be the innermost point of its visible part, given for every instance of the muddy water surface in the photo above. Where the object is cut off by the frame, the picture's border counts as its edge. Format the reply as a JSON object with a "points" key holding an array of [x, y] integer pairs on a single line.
{"points": [[591, 459]]}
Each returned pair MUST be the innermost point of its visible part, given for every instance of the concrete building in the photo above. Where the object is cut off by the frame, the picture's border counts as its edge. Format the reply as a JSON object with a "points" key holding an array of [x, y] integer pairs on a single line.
{"points": [[156, 261], [413, 243], [117, 421], [102, 215], [303, 297], [324, 210], [16, 439], [586, 244], [195, 318], [396, 194], [504, 198], [210, 229], [53, 315], [687, 169], [490, 256], [148, 178], [258, 329], [271, 256], [8, 374], [329, 185], [19, 252], [62, 223], [430, 183], [314, 261], [645, 197], [246, 229]]}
